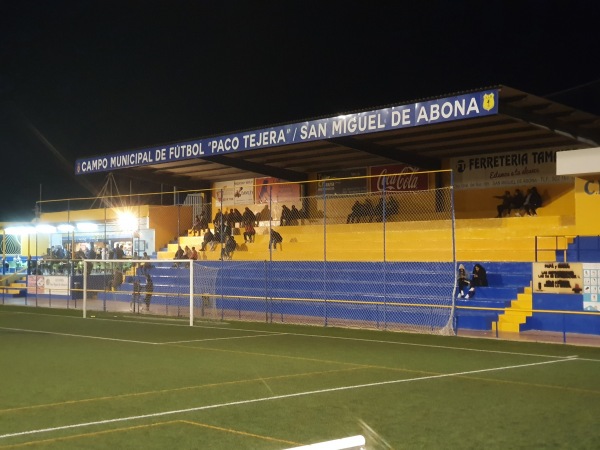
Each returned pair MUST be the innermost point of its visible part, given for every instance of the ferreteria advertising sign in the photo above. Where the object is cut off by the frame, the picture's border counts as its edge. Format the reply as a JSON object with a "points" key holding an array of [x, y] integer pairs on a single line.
{"points": [[461, 107], [528, 167]]}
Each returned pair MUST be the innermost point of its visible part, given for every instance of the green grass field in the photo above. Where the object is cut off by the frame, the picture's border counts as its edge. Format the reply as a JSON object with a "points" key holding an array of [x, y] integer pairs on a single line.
{"points": [[129, 382]]}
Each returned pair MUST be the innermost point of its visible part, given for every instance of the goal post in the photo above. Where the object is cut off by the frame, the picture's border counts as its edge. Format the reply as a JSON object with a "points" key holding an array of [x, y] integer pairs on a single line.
{"points": [[202, 291], [174, 288]]}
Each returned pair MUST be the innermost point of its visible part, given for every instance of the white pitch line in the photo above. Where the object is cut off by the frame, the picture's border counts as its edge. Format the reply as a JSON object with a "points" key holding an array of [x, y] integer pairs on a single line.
{"points": [[221, 338], [78, 335], [274, 333], [443, 347], [276, 397], [380, 341]]}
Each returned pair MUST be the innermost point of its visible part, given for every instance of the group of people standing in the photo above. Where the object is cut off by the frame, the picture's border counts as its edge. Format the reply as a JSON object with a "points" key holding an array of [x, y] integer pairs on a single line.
{"points": [[524, 204]]}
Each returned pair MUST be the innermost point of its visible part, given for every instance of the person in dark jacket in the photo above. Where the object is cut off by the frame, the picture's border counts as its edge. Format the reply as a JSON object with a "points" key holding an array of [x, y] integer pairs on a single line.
{"points": [[228, 248], [506, 205], [479, 276], [149, 291], [517, 200], [533, 200], [208, 238], [275, 239]]}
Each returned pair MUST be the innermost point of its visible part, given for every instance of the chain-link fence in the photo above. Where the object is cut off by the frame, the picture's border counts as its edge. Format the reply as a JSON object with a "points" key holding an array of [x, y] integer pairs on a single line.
{"points": [[336, 251]]}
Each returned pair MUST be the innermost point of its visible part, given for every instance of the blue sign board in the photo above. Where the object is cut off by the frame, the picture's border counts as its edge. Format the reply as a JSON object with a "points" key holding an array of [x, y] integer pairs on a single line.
{"points": [[465, 106]]}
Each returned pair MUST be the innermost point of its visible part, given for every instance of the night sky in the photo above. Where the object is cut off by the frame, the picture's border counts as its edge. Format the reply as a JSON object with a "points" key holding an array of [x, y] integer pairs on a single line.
{"points": [[81, 78]]}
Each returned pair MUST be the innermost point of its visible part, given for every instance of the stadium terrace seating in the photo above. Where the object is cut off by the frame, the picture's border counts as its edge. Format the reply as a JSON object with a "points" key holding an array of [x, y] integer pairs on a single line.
{"points": [[508, 239]]}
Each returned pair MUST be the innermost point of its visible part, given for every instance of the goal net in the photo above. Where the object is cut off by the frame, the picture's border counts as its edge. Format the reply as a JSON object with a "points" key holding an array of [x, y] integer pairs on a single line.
{"points": [[382, 259], [174, 288]]}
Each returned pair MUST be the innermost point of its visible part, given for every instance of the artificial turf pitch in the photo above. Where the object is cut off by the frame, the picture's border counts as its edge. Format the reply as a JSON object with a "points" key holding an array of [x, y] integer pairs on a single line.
{"points": [[127, 382]]}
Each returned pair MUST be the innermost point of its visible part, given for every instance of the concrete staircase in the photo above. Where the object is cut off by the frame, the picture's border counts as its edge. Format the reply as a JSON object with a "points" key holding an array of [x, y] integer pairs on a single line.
{"points": [[16, 287], [516, 314]]}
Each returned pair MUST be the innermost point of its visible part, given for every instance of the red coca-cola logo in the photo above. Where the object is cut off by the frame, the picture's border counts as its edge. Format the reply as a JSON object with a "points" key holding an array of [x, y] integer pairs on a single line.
{"points": [[402, 178]]}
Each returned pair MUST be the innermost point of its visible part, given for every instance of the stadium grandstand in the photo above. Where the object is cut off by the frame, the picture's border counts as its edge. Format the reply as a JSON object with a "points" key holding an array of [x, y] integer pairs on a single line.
{"points": [[375, 210]]}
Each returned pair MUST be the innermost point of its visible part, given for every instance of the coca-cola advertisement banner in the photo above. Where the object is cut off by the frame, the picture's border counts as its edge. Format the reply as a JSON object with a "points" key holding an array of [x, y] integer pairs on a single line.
{"points": [[397, 178]]}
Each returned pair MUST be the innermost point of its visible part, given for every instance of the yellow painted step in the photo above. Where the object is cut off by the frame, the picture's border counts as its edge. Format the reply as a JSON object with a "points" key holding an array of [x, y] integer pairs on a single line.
{"points": [[517, 313]]}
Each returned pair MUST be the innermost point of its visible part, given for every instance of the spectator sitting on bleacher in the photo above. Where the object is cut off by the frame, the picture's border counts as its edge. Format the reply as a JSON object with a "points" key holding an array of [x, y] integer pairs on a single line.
{"points": [[263, 214], [196, 226], [248, 216], [229, 217], [479, 276], [218, 219], [285, 216], [275, 239], [203, 221], [532, 202], [236, 216], [504, 207], [463, 282], [216, 239], [228, 248], [227, 231], [179, 253], [249, 232], [354, 216], [194, 254], [517, 200], [208, 237]]}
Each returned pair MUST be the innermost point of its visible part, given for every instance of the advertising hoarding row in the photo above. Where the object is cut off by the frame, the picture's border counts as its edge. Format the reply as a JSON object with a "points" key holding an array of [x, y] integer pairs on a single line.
{"points": [[388, 178]]}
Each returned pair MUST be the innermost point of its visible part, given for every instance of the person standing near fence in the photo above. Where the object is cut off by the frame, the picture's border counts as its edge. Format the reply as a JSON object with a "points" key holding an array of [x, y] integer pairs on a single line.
{"points": [[136, 295], [149, 291]]}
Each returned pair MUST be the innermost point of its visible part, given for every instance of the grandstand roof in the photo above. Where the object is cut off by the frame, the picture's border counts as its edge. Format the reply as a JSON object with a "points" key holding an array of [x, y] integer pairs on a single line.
{"points": [[523, 122]]}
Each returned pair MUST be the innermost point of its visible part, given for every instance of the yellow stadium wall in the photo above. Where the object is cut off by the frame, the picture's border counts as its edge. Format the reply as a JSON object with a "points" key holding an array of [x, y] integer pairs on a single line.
{"points": [[165, 221], [35, 245]]}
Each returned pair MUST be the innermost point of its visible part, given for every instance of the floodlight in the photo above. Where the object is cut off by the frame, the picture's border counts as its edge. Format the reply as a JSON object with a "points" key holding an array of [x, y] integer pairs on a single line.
{"points": [[65, 228], [45, 228], [87, 226], [127, 221], [20, 230]]}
